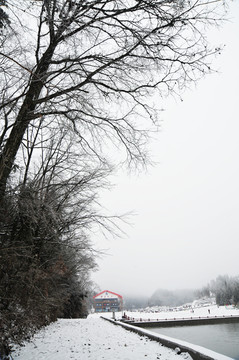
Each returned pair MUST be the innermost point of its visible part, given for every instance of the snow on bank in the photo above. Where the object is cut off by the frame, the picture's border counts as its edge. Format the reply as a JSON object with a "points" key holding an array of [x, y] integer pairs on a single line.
{"points": [[180, 344], [92, 339], [206, 311], [97, 339]]}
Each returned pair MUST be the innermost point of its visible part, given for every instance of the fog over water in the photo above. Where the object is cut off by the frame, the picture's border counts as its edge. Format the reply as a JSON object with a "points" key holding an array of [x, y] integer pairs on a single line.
{"points": [[185, 229]]}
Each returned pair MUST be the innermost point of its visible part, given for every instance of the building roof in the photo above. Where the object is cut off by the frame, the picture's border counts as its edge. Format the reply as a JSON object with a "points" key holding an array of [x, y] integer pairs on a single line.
{"points": [[107, 291]]}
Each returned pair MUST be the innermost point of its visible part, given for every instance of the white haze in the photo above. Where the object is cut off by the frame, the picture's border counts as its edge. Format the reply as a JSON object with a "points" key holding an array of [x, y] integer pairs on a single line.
{"points": [[185, 231]]}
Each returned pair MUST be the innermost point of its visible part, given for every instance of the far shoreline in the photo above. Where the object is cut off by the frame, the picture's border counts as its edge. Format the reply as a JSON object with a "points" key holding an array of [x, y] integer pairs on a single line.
{"points": [[183, 321]]}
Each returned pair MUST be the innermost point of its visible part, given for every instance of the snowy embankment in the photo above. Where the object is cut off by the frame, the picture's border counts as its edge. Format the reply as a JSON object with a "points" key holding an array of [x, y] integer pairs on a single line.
{"points": [[92, 339], [202, 312], [95, 339]]}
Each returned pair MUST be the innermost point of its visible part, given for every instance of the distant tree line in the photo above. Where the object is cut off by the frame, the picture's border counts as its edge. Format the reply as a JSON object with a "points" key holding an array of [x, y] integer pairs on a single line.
{"points": [[135, 302], [225, 288], [163, 297]]}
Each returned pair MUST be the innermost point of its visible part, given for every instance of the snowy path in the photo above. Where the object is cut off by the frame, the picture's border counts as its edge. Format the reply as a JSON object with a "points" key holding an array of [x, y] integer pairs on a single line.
{"points": [[92, 339]]}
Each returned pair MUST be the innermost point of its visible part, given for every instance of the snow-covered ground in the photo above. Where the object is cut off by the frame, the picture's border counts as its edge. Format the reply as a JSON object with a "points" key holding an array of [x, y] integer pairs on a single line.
{"points": [[92, 339], [95, 339], [203, 312]]}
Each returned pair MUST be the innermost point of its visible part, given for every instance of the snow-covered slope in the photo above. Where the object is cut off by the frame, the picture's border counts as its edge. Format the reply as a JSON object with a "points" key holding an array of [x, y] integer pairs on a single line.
{"points": [[92, 339]]}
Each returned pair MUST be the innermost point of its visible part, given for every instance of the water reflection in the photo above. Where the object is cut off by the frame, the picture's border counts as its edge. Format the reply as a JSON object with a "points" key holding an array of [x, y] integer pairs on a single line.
{"points": [[222, 338]]}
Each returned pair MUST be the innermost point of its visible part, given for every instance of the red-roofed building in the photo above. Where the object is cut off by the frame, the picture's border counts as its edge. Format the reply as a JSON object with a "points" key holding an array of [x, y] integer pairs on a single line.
{"points": [[108, 301]]}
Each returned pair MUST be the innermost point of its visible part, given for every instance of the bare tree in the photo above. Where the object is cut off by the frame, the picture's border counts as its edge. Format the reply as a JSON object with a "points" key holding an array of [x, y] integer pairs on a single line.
{"points": [[45, 250], [75, 76], [225, 289], [92, 67]]}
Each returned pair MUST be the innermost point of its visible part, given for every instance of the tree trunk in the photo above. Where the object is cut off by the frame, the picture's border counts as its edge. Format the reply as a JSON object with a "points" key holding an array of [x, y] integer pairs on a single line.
{"points": [[23, 119]]}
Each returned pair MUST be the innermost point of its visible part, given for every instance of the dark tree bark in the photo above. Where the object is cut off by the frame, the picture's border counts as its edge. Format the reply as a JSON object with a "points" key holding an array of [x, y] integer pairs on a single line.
{"points": [[23, 119], [89, 55]]}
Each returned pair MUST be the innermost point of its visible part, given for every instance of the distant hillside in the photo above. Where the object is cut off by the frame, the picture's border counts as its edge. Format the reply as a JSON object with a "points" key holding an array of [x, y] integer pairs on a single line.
{"points": [[163, 297], [135, 302]]}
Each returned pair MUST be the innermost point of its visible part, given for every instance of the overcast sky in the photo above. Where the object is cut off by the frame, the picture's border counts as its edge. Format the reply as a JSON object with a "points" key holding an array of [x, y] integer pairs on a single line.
{"points": [[186, 228]]}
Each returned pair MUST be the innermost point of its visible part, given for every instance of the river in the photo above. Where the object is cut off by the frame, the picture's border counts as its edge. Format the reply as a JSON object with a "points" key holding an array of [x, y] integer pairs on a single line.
{"points": [[222, 338]]}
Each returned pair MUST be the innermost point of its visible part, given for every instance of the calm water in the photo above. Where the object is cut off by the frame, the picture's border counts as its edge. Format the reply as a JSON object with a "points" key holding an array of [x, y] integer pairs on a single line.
{"points": [[222, 338]]}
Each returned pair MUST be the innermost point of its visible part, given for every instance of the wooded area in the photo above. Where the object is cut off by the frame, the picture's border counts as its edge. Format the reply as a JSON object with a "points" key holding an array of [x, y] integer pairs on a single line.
{"points": [[79, 81]]}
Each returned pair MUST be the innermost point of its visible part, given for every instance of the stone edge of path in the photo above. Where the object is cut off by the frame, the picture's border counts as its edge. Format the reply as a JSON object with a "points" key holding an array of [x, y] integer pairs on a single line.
{"points": [[195, 351]]}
